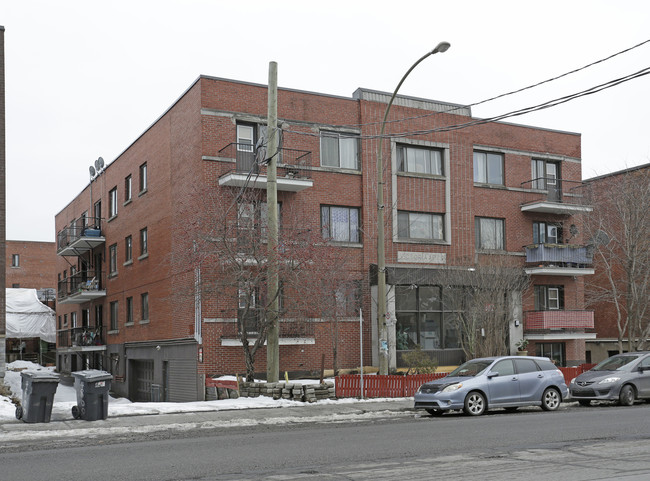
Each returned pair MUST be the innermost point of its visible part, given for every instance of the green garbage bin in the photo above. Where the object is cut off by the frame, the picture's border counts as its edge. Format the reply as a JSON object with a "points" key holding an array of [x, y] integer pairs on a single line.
{"points": [[38, 389], [92, 388]]}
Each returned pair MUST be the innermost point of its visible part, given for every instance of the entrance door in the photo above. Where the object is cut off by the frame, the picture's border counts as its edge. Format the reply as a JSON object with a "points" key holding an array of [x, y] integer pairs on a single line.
{"points": [[141, 379]]}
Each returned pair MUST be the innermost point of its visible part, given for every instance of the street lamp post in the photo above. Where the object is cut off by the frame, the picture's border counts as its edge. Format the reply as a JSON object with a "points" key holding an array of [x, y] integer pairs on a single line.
{"points": [[381, 252]]}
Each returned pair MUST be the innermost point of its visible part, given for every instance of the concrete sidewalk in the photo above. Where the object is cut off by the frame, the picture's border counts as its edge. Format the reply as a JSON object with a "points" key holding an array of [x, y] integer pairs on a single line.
{"points": [[19, 431]]}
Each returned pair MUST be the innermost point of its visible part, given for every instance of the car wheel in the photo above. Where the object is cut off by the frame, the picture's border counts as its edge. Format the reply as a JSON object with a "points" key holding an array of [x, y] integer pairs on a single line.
{"points": [[550, 399], [435, 412], [475, 404], [75, 412], [584, 402], [626, 396], [19, 412]]}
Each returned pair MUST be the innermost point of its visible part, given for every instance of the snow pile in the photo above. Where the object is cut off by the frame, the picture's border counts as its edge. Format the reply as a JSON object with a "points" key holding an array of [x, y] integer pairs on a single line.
{"points": [[66, 397]]}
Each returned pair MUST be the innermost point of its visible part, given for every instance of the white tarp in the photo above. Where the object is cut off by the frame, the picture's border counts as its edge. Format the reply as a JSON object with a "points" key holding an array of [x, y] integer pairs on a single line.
{"points": [[28, 317]]}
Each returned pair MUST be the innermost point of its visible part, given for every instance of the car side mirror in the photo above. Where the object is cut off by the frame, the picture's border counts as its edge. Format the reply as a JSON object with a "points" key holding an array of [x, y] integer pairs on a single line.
{"points": [[492, 374], [643, 368]]}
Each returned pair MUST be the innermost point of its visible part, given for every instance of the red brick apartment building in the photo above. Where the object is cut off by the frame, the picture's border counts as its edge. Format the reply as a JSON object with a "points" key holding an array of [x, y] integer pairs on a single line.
{"points": [[32, 265], [620, 227], [454, 196]]}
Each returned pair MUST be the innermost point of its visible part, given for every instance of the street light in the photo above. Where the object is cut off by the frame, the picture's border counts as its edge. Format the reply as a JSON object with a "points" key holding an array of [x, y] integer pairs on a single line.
{"points": [[381, 253]]}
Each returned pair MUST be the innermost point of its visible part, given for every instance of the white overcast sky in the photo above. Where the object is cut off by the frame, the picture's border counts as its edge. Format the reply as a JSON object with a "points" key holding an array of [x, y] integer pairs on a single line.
{"points": [[85, 78]]}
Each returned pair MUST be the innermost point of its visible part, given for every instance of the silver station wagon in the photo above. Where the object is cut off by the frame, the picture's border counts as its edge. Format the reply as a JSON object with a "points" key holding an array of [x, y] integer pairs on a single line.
{"points": [[495, 382]]}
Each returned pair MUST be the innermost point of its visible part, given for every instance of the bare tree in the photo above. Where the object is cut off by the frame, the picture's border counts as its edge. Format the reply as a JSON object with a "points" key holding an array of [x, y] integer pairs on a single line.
{"points": [[619, 227], [230, 246], [481, 299]]}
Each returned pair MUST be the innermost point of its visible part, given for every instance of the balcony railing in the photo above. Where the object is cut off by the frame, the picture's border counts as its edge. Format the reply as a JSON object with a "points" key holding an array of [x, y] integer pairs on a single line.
{"points": [[82, 235], [555, 196], [556, 319], [81, 287], [81, 337], [558, 255], [294, 167], [286, 329]]}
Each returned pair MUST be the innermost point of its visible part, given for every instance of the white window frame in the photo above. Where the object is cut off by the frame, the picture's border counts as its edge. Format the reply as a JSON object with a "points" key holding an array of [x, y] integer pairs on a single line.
{"points": [[482, 161], [345, 143], [482, 230], [420, 160], [15, 260], [112, 202]]}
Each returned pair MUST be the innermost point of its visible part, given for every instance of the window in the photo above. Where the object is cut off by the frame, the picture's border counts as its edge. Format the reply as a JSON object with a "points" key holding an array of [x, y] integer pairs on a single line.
{"points": [[73, 319], [490, 233], [504, 367], [129, 310], [15, 260], [112, 202], [417, 225], [144, 302], [65, 320], [245, 137], [15, 285], [553, 350], [99, 315], [488, 168], [419, 160], [252, 221], [97, 211], [549, 298], [128, 249], [348, 299], [143, 177], [144, 248], [114, 312], [127, 188], [112, 259], [339, 150], [340, 224], [422, 319], [545, 233], [544, 174]]}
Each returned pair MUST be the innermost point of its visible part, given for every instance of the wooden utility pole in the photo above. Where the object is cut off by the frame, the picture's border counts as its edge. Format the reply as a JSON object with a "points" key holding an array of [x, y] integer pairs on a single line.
{"points": [[272, 311]]}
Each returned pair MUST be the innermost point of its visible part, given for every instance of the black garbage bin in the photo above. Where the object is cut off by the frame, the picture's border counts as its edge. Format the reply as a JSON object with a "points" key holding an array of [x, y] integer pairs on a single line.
{"points": [[92, 388], [38, 389]]}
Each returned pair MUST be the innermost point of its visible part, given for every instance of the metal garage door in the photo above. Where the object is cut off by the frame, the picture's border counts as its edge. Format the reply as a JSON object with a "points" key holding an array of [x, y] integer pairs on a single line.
{"points": [[180, 380], [142, 378]]}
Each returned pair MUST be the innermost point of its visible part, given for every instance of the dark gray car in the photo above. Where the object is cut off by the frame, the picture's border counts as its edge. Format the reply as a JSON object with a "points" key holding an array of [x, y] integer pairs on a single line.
{"points": [[623, 378]]}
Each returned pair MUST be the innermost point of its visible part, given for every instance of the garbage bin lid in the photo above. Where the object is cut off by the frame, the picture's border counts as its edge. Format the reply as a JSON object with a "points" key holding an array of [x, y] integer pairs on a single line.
{"points": [[40, 376], [91, 375]]}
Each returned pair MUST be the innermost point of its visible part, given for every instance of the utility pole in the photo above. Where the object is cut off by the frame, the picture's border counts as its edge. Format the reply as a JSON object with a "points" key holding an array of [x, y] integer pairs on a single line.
{"points": [[272, 310]]}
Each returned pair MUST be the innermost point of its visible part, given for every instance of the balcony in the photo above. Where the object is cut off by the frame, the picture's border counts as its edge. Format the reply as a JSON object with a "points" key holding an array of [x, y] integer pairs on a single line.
{"points": [[290, 332], [81, 339], [293, 168], [553, 320], [559, 260], [555, 196], [82, 235], [81, 287]]}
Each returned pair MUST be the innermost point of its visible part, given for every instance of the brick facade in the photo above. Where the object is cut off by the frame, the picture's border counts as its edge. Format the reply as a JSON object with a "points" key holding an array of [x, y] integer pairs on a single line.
{"points": [[187, 156]]}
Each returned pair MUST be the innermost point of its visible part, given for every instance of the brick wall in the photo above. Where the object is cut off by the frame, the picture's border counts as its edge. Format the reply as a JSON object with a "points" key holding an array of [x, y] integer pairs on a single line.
{"points": [[36, 264]]}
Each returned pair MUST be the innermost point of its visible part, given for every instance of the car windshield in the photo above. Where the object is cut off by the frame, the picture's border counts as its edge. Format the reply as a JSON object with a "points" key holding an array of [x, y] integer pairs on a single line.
{"points": [[470, 368], [616, 363]]}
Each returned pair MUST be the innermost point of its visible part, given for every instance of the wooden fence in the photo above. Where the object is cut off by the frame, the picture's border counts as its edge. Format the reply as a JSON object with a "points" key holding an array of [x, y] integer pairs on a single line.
{"points": [[391, 386]]}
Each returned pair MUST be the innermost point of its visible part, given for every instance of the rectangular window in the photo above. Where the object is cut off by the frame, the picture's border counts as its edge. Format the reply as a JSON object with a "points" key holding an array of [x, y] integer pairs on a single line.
{"points": [[339, 150], [144, 247], [340, 224], [143, 177], [112, 259], [97, 211], [73, 319], [419, 160], [490, 233], [144, 300], [245, 137], [128, 249], [488, 168], [553, 350], [112, 202], [127, 188], [418, 225], [549, 298], [114, 315], [15, 260], [545, 233], [129, 310], [65, 320]]}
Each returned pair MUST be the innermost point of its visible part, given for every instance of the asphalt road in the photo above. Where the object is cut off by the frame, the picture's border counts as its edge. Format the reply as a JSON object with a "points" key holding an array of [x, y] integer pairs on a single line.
{"points": [[600, 442]]}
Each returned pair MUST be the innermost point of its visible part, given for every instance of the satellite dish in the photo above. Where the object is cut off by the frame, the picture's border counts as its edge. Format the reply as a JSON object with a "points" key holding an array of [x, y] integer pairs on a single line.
{"points": [[92, 171], [601, 237], [99, 164]]}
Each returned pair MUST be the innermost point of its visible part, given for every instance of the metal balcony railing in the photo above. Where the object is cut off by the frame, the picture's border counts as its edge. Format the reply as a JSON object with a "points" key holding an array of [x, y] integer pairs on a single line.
{"points": [[89, 282], [559, 255], [287, 329], [83, 227], [81, 337], [548, 189], [558, 319], [291, 163]]}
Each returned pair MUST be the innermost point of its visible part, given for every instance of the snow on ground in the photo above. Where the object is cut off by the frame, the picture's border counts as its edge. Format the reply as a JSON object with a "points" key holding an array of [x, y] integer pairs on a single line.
{"points": [[66, 397]]}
